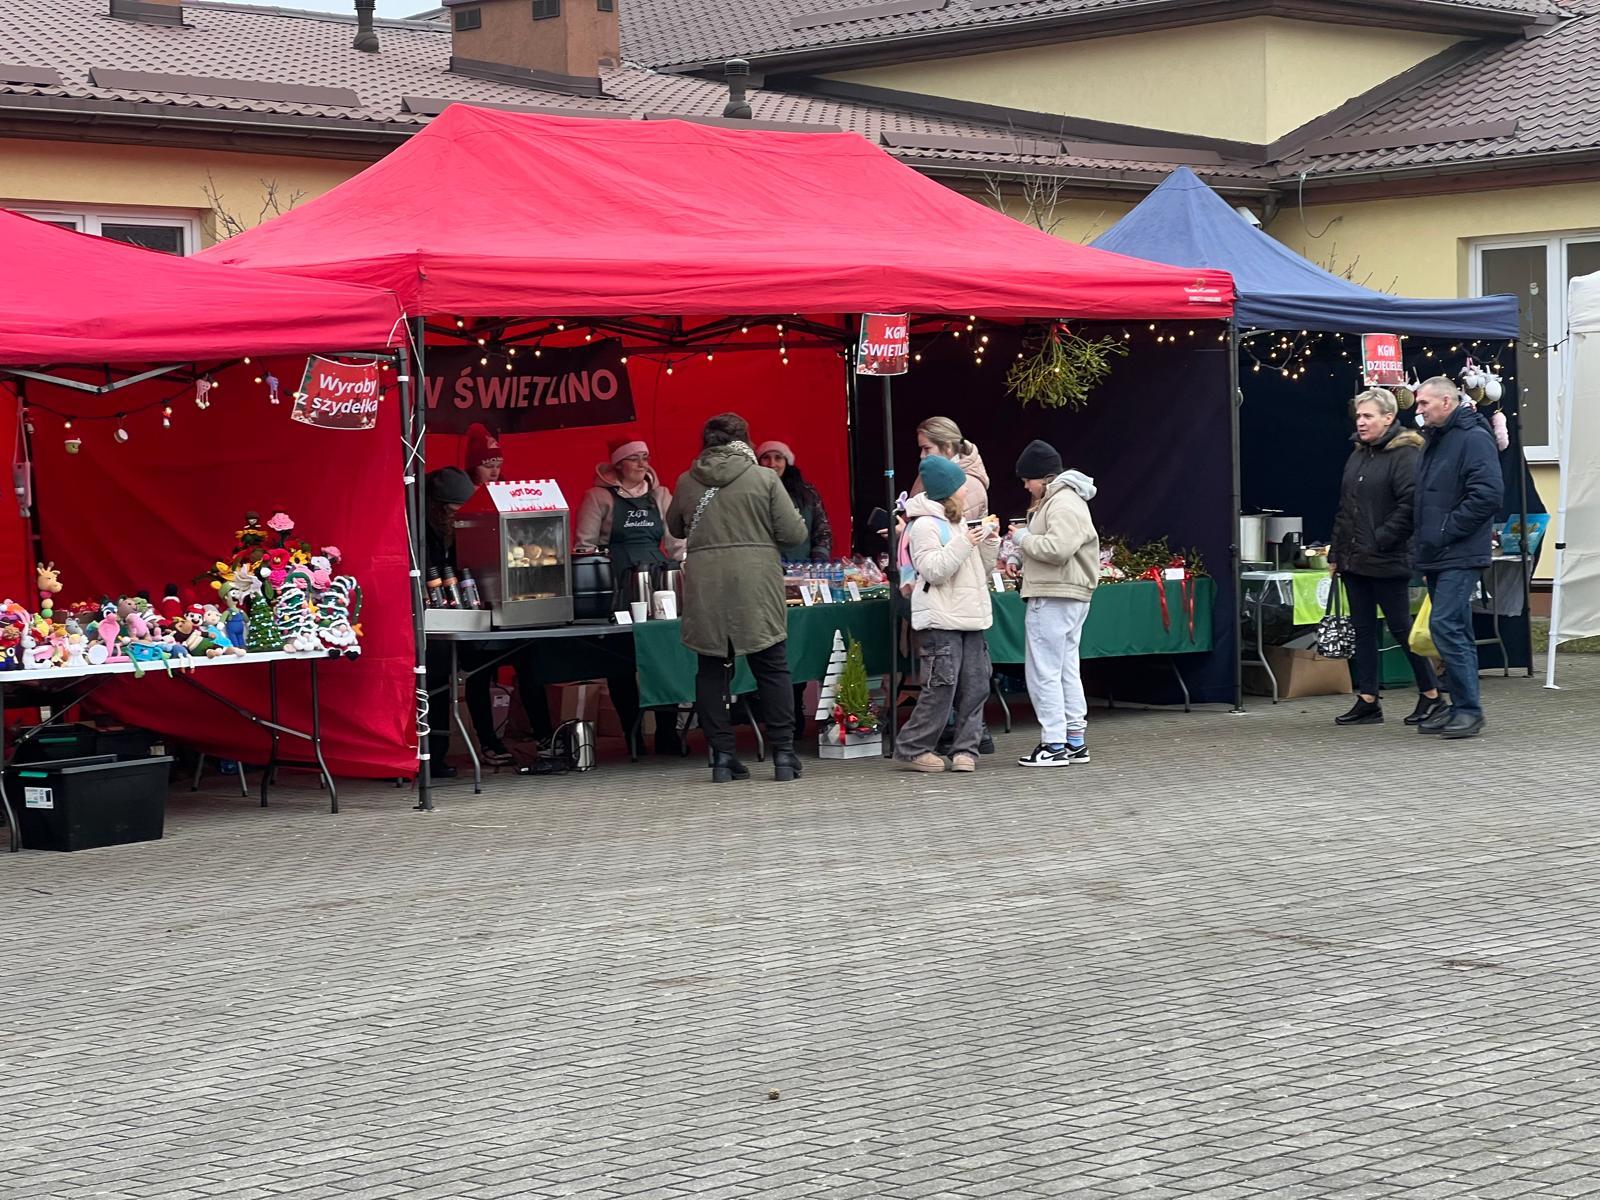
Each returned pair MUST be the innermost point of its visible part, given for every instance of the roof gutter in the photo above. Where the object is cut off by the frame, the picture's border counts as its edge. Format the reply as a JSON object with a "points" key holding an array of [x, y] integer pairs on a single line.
{"points": [[316, 136], [1553, 158], [1095, 177]]}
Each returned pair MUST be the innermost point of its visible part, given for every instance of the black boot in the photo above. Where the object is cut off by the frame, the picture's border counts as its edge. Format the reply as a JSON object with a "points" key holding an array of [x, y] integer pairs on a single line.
{"points": [[785, 766], [1362, 712], [725, 768], [1426, 707]]}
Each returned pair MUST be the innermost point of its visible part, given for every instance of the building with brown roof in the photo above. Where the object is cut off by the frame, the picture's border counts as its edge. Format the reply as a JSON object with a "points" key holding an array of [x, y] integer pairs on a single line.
{"points": [[1435, 147]]}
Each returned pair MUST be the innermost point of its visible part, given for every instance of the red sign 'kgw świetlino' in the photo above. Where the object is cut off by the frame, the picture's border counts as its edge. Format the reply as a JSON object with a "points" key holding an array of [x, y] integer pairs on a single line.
{"points": [[338, 395], [885, 347]]}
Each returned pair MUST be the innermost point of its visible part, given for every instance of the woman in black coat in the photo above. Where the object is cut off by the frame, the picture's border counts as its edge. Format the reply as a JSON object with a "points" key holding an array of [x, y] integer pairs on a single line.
{"points": [[1371, 550]]}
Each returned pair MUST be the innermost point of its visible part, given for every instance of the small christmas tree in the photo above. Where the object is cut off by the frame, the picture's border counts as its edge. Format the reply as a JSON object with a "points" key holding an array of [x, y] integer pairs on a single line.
{"points": [[853, 706]]}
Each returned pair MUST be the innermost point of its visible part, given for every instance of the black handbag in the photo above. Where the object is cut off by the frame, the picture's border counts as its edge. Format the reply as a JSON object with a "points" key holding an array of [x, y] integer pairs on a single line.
{"points": [[1336, 632]]}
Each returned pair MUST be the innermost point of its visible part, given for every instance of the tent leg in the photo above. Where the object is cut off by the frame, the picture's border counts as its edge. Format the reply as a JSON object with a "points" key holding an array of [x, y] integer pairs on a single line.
{"points": [[1527, 558], [1564, 465], [893, 690], [412, 366], [1235, 399]]}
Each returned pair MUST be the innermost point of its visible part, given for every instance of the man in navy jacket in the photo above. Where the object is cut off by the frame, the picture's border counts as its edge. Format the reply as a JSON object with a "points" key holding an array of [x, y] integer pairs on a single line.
{"points": [[1458, 495]]}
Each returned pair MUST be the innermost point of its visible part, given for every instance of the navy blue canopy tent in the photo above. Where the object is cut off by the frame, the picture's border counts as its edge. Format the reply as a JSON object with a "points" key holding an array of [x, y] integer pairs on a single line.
{"points": [[1185, 224], [1290, 434]]}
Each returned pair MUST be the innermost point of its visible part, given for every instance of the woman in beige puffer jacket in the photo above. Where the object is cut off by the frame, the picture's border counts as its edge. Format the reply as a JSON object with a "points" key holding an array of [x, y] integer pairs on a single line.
{"points": [[950, 610]]}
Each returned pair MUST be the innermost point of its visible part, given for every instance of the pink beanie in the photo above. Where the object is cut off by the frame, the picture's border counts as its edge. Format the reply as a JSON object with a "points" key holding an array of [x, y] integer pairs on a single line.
{"points": [[776, 448]]}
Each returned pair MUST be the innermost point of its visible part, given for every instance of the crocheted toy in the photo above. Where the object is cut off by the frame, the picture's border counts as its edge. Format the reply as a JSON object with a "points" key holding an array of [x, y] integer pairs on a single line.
{"points": [[291, 610]]}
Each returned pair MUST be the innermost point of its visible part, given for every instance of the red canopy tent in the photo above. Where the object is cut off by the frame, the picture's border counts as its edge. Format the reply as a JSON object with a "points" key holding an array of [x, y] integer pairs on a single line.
{"points": [[497, 213], [110, 337], [73, 298], [487, 218]]}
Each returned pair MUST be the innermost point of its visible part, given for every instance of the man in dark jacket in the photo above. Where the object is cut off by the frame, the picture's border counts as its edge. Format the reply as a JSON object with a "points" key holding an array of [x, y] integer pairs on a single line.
{"points": [[1458, 495]]}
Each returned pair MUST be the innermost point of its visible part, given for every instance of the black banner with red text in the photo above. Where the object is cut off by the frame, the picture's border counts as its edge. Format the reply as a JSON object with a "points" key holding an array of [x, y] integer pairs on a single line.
{"points": [[527, 392]]}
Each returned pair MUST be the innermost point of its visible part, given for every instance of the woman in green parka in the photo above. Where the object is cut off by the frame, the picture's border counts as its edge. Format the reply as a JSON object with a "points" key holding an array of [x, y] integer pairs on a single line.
{"points": [[733, 516]]}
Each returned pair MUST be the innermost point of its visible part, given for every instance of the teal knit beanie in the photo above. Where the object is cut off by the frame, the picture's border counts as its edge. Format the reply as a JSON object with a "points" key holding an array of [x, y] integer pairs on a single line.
{"points": [[940, 477]]}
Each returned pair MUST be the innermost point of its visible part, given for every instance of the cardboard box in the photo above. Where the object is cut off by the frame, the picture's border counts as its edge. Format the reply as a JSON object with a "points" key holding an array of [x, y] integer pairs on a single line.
{"points": [[1300, 673], [588, 701]]}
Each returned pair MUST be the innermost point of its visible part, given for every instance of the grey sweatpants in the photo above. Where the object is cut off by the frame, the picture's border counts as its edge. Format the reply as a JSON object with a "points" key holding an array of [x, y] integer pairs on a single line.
{"points": [[1054, 626], [955, 670]]}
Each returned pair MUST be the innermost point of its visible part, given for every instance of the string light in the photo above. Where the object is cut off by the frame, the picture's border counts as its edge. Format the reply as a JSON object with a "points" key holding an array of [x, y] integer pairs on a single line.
{"points": [[460, 324]]}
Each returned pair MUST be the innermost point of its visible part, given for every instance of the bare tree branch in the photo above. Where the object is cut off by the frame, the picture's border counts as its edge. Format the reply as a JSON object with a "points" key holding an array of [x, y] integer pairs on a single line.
{"points": [[273, 204]]}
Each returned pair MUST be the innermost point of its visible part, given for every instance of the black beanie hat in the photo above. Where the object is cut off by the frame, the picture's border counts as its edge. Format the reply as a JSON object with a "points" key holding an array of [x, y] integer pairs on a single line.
{"points": [[1038, 460]]}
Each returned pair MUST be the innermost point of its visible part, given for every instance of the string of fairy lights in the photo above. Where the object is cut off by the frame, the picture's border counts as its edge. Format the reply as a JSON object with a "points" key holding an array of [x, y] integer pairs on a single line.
{"points": [[1290, 355]]}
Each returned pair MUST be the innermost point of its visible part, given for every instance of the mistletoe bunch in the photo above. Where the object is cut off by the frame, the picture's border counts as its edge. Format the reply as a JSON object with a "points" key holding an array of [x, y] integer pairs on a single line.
{"points": [[1063, 370]]}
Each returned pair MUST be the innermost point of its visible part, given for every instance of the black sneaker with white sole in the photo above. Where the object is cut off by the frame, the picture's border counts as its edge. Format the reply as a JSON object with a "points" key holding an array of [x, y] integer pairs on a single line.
{"points": [[1045, 756]]}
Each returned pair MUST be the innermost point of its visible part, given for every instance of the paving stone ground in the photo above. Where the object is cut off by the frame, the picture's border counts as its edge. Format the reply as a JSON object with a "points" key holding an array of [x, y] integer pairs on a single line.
{"points": [[1232, 957]]}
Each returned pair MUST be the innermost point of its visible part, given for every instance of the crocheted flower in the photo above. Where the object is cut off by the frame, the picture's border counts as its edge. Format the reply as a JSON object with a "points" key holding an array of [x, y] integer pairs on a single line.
{"points": [[280, 522]]}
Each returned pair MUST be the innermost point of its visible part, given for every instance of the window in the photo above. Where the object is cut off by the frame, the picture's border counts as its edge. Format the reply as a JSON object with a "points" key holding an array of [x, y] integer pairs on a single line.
{"points": [[546, 8], [170, 235], [468, 18], [605, 5], [1537, 270]]}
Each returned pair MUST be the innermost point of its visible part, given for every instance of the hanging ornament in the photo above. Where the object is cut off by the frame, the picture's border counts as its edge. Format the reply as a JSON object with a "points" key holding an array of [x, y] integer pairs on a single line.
{"points": [[272, 388], [121, 435], [202, 392]]}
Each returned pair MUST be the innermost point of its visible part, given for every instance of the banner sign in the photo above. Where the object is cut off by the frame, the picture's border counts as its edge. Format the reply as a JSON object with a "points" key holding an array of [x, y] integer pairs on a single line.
{"points": [[885, 347], [1381, 362], [337, 395], [557, 389]]}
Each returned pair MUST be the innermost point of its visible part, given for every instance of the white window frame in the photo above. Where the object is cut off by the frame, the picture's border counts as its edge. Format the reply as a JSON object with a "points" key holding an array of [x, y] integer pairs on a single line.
{"points": [[90, 220], [1551, 338]]}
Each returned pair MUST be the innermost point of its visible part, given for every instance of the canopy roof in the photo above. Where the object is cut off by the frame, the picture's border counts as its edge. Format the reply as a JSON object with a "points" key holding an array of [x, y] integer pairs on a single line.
{"points": [[1184, 223], [74, 298], [492, 213]]}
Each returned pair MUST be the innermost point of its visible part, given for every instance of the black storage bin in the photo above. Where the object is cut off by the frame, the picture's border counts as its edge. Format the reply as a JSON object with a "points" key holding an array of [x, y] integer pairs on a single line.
{"points": [[83, 803], [58, 742], [128, 742]]}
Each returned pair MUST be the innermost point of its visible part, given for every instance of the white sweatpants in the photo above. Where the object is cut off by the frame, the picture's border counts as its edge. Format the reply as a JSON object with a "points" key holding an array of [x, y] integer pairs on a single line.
{"points": [[1054, 626]]}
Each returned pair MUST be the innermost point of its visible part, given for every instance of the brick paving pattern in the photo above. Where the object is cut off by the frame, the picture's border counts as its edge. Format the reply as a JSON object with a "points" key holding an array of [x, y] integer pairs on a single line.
{"points": [[1233, 957]]}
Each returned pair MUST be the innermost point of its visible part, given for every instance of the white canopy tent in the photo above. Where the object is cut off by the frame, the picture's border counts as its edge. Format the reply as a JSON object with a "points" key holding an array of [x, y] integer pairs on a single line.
{"points": [[1575, 602]]}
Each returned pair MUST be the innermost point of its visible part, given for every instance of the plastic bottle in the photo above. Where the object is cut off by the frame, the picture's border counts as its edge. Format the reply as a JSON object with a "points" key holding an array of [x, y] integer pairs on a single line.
{"points": [[469, 591], [435, 589], [447, 584]]}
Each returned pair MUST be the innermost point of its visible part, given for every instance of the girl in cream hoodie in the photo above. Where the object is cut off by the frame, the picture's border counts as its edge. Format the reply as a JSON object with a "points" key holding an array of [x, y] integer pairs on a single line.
{"points": [[1060, 552], [950, 610]]}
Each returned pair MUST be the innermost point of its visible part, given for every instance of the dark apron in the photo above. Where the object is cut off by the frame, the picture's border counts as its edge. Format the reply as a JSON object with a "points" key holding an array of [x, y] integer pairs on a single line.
{"points": [[637, 528]]}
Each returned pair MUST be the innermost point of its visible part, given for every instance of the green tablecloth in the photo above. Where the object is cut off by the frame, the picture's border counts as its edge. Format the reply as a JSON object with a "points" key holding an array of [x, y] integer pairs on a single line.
{"points": [[1124, 620], [667, 669]]}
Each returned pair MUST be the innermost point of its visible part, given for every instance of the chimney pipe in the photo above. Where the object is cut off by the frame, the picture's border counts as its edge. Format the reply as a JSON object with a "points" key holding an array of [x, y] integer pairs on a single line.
{"points": [[736, 70], [366, 38]]}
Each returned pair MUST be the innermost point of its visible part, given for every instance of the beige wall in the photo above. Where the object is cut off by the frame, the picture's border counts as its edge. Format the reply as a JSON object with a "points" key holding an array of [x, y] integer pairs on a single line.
{"points": [[76, 175], [1249, 80]]}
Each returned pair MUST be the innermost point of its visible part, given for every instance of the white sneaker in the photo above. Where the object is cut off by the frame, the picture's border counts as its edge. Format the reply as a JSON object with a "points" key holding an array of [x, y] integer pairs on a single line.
{"points": [[1043, 756]]}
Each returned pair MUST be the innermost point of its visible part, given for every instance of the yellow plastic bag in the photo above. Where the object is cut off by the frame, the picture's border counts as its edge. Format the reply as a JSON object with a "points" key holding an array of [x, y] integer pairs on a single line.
{"points": [[1421, 639]]}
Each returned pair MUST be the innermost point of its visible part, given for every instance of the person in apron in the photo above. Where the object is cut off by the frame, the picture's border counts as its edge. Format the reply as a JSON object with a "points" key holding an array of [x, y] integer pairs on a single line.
{"points": [[624, 514]]}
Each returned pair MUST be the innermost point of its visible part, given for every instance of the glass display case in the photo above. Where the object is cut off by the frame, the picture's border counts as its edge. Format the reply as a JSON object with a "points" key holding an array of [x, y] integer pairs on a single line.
{"points": [[515, 537]]}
